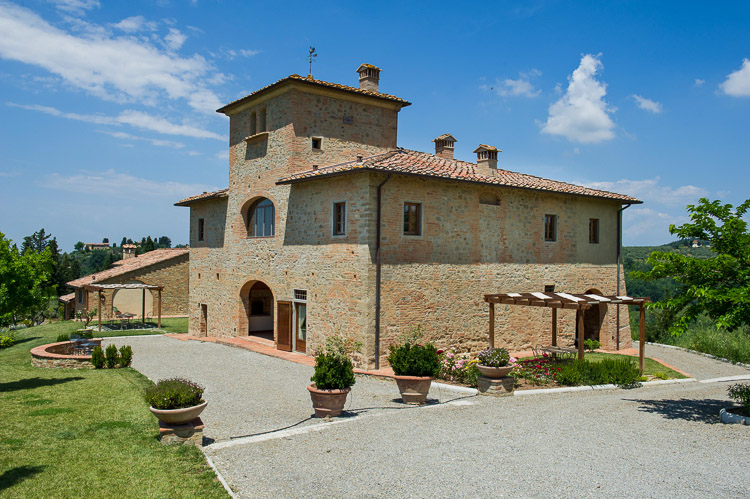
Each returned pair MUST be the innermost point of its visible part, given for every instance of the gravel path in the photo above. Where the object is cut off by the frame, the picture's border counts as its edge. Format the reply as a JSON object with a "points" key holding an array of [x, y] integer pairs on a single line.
{"points": [[698, 366], [660, 441]]}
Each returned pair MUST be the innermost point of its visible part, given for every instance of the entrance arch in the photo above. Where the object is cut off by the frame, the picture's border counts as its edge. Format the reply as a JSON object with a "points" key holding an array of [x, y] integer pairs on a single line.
{"points": [[257, 314], [593, 318]]}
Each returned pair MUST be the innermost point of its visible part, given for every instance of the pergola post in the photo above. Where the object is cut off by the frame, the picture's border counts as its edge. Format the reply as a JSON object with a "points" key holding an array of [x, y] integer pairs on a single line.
{"points": [[159, 323], [642, 338], [554, 327], [100, 311], [143, 306], [581, 335], [492, 325]]}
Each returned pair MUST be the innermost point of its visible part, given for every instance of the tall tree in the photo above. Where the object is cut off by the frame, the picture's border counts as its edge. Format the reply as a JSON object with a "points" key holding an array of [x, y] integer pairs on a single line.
{"points": [[164, 242], [24, 291], [79, 246], [148, 245], [718, 286], [105, 240], [35, 242], [124, 241]]}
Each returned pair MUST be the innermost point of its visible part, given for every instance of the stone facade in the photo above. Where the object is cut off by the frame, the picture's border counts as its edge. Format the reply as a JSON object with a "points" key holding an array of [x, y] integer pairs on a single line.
{"points": [[474, 238]]}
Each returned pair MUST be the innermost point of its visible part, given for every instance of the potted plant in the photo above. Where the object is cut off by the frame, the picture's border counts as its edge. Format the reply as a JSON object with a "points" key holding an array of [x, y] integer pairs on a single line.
{"points": [[176, 401], [495, 363], [333, 377], [414, 365]]}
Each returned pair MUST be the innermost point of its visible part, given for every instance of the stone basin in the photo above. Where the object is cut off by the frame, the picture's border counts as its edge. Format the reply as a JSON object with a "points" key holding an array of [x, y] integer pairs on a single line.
{"points": [[60, 356]]}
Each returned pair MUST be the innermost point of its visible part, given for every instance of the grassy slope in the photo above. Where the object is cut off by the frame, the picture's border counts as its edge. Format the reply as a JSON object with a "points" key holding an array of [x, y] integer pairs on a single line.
{"points": [[74, 433], [650, 366]]}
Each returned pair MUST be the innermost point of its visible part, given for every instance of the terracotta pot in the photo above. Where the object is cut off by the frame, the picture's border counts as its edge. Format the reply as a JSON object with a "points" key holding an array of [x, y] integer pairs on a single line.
{"points": [[494, 372], [328, 402], [176, 417], [414, 389]]}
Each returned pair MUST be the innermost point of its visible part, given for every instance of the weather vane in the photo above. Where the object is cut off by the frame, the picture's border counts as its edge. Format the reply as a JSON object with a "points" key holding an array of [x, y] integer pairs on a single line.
{"points": [[310, 57]]}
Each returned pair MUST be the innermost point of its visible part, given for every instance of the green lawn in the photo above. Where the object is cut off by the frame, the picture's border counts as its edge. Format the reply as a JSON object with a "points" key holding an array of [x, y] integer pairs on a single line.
{"points": [[176, 325], [650, 366], [75, 433]]}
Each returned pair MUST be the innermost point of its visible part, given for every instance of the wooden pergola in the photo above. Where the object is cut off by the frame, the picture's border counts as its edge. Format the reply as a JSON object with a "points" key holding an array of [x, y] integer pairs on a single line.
{"points": [[567, 301], [100, 288]]}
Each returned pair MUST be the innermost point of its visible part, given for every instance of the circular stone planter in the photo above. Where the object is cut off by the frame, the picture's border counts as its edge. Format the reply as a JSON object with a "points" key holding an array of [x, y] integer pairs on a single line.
{"points": [[727, 416], [60, 356], [494, 372], [327, 402], [176, 417], [414, 389]]}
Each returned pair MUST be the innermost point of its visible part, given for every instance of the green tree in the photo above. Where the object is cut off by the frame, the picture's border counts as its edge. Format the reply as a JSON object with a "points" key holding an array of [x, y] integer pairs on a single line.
{"points": [[148, 245], [79, 246], [24, 277], [35, 242], [718, 286]]}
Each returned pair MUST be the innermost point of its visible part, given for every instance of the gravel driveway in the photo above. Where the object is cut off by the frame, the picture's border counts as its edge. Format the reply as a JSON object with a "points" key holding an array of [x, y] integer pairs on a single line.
{"points": [[659, 441]]}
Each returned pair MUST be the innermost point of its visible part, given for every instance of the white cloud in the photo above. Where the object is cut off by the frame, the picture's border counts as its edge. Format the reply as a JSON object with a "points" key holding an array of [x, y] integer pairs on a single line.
{"points": [[522, 87], [134, 24], [699, 82], [249, 53], [175, 39], [737, 83], [651, 191], [156, 142], [111, 183], [114, 68], [582, 115], [76, 7], [137, 119], [647, 104], [223, 154]]}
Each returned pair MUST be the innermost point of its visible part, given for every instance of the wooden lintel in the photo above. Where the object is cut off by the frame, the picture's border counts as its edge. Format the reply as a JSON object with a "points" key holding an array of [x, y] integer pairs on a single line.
{"points": [[571, 306]]}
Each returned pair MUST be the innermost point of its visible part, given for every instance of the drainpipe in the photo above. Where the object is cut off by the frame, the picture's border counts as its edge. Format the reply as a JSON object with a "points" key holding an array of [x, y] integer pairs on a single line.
{"points": [[619, 258], [377, 274]]}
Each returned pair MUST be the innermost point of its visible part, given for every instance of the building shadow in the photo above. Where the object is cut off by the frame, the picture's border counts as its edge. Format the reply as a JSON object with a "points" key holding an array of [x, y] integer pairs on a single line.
{"points": [[700, 410], [30, 383], [15, 475]]}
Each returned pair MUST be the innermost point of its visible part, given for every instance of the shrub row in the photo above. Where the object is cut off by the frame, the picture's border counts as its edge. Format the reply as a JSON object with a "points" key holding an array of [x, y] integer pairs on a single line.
{"points": [[620, 372], [111, 358]]}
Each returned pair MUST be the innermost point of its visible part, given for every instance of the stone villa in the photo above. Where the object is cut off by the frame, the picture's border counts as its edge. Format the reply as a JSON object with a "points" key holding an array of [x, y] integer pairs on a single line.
{"points": [[328, 226]]}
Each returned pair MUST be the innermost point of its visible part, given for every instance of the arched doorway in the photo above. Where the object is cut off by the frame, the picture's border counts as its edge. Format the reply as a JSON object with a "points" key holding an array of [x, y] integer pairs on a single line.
{"points": [[130, 301], [260, 311], [593, 317]]}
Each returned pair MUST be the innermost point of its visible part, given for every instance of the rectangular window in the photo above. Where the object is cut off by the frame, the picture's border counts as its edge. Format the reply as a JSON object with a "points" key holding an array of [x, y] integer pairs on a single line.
{"points": [[594, 230], [80, 296], [317, 143], [339, 219], [412, 219], [550, 227], [201, 228]]}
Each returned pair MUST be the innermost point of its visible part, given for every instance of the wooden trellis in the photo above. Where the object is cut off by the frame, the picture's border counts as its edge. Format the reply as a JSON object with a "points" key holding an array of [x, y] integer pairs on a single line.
{"points": [[579, 302]]}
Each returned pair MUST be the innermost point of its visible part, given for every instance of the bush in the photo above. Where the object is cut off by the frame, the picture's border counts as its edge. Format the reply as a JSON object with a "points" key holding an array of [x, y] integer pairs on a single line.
{"points": [[7, 339], [111, 357], [63, 337], [591, 344], [414, 360], [174, 393], [97, 357], [126, 356], [620, 372], [333, 367], [494, 357], [86, 333], [740, 393]]}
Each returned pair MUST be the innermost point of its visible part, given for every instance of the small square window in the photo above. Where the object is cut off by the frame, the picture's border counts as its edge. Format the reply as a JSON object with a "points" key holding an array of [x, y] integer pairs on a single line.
{"points": [[550, 227], [549, 288], [317, 143], [339, 219], [201, 228], [594, 230], [348, 120], [412, 219]]}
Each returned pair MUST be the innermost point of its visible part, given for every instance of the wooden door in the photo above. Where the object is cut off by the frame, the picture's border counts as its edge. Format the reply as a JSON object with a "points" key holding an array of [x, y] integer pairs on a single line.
{"points": [[284, 326], [300, 327]]}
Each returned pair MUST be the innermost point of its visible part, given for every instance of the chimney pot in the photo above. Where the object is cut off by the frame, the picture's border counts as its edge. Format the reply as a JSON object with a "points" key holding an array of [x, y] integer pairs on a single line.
{"points": [[487, 159], [315, 168], [359, 159], [369, 77], [444, 146]]}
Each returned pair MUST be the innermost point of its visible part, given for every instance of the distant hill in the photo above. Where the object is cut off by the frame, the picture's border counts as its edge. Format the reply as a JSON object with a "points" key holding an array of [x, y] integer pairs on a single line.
{"points": [[634, 258]]}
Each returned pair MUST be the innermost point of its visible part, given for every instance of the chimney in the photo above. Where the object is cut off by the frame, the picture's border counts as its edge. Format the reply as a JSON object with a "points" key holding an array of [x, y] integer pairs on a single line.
{"points": [[128, 251], [487, 159], [369, 77], [444, 146]]}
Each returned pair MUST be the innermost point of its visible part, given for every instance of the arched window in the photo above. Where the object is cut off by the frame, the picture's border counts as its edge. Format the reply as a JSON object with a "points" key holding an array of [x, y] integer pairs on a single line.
{"points": [[261, 219]]}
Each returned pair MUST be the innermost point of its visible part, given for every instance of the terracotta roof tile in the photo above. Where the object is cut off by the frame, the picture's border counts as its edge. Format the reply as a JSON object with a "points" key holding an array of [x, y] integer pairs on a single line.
{"points": [[407, 162], [202, 197], [67, 298], [130, 265], [312, 81]]}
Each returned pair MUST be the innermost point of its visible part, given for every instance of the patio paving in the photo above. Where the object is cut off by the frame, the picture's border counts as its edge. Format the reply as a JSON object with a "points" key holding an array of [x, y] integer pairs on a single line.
{"points": [[659, 441]]}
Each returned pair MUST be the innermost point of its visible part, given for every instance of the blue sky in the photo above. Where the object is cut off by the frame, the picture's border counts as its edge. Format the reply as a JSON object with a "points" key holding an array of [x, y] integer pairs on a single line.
{"points": [[107, 109]]}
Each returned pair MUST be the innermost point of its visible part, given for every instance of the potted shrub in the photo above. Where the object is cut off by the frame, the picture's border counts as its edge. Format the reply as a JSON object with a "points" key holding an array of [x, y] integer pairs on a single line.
{"points": [[176, 401], [414, 365], [740, 392], [495, 363], [333, 377]]}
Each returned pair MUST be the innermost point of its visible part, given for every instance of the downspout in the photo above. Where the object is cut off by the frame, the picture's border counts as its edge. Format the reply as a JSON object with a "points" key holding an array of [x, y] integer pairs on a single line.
{"points": [[377, 274], [619, 262]]}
